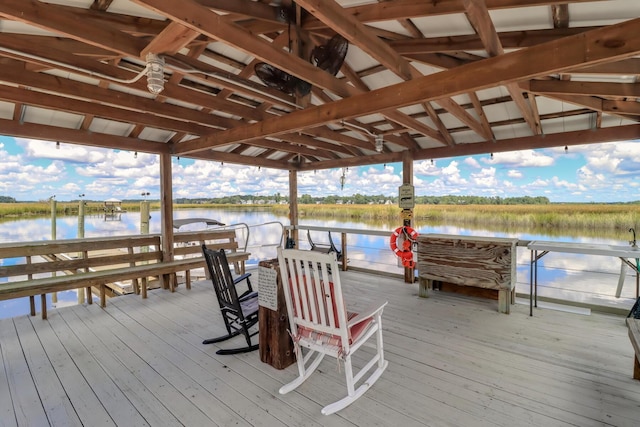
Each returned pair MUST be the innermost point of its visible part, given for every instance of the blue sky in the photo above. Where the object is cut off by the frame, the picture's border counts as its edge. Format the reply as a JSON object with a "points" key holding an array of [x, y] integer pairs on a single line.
{"points": [[36, 170]]}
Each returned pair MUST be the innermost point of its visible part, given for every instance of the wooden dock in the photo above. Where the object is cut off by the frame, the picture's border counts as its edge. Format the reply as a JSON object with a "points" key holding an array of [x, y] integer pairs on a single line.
{"points": [[453, 361]]}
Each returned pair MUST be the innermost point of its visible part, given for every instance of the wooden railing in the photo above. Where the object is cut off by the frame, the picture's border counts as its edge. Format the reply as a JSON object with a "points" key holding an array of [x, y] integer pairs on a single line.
{"points": [[43, 267]]}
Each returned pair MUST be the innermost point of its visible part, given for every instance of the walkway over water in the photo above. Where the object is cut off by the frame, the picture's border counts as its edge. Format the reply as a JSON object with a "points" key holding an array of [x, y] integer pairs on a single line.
{"points": [[453, 360]]}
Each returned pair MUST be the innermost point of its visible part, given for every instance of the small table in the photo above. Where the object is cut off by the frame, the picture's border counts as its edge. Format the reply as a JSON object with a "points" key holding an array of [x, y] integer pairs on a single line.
{"points": [[276, 345], [622, 252]]}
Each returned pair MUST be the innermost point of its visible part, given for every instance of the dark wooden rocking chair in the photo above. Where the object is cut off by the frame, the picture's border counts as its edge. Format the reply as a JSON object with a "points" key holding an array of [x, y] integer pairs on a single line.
{"points": [[240, 312]]}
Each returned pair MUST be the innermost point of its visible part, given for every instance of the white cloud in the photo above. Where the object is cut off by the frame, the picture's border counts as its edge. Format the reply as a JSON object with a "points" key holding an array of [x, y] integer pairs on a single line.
{"points": [[426, 168], [564, 184], [472, 162], [599, 172], [540, 183], [37, 149], [520, 159], [485, 178]]}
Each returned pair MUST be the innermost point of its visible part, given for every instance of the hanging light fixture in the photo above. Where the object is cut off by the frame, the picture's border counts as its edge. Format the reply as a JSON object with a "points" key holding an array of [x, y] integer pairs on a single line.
{"points": [[155, 73], [379, 143]]}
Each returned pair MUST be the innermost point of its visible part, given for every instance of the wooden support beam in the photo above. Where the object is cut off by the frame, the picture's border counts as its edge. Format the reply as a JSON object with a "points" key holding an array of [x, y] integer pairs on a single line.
{"points": [[590, 48]]}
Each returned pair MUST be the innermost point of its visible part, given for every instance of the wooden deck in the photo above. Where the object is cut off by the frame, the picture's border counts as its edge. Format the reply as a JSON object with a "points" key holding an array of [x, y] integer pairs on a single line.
{"points": [[453, 360]]}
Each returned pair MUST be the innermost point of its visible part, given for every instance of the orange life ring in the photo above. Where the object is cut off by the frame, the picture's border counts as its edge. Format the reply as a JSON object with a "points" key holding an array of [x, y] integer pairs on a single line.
{"points": [[405, 253]]}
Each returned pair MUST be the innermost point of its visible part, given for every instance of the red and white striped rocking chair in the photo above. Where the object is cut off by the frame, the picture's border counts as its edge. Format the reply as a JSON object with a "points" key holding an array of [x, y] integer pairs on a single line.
{"points": [[321, 325]]}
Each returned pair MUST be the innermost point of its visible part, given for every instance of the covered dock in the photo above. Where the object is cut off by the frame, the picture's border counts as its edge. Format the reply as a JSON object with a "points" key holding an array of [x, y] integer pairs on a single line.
{"points": [[453, 360]]}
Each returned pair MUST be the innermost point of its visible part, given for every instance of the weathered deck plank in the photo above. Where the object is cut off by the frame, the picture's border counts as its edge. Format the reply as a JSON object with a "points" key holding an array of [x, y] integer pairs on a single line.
{"points": [[60, 411], [453, 360], [23, 390]]}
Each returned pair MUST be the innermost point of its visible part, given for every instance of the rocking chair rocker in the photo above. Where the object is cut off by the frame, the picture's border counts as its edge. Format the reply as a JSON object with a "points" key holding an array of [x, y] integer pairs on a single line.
{"points": [[240, 313], [320, 323]]}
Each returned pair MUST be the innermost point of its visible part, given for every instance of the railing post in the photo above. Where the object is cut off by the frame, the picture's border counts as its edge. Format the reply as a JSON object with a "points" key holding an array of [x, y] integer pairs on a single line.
{"points": [[81, 297], [343, 239], [54, 213]]}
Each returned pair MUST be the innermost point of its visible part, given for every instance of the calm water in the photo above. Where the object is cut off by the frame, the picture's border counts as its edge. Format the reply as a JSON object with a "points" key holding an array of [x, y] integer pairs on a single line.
{"points": [[571, 277]]}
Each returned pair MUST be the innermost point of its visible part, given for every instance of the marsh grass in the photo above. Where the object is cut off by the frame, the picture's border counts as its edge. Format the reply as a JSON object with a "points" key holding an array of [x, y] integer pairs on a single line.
{"points": [[591, 219], [603, 219]]}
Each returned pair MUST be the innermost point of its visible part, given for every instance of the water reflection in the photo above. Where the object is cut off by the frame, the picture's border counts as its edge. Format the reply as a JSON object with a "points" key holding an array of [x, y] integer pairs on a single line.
{"points": [[569, 276]]}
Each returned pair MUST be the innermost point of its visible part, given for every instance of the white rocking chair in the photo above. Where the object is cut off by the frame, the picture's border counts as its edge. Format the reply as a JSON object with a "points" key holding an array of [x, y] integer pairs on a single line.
{"points": [[320, 323]]}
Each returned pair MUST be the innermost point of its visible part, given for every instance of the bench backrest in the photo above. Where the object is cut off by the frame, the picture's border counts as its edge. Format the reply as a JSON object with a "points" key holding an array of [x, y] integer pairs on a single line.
{"points": [[190, 243], [78, 255]]}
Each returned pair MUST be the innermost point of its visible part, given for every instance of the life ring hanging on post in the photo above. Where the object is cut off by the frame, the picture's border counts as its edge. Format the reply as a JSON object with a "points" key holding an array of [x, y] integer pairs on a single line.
{"points": [[410, 236]]}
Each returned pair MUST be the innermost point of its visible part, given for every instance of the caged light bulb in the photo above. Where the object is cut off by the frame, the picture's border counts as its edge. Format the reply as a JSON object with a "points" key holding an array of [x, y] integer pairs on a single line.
{"points": [[155, 73]]}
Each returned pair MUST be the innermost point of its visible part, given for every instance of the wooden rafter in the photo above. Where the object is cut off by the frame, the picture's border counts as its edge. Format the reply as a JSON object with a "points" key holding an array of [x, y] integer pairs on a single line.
{"points": [[614, 42], [88, 62], [478, 16]]}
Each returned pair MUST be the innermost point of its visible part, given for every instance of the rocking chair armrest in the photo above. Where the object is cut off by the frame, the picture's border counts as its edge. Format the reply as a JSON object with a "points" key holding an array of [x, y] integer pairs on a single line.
{"points": [[241, 278], [368, 312], [247, 296]]}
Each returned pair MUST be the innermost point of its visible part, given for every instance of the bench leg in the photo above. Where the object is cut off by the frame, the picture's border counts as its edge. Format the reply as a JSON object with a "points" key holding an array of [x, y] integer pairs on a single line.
{"points": [[165, 282], [504, 301], [43, 303], [103, 296], [145, 284], [89, 294], [424, 286], [32, 305], [187, 279], [636, 368], [136, 286]]}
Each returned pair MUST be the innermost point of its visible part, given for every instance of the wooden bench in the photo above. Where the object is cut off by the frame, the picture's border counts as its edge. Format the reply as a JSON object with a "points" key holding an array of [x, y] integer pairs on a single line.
{"points": [[634, 336], [53, 266], [476, 265], [188, 245]]}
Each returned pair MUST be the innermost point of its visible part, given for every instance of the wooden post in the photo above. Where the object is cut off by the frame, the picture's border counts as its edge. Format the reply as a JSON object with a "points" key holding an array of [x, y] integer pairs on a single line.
{"points": [[276, 346], [407, 178], [343, 240], [144, 217], [166, 215], [54, 213], [81, 298], [293, 204]]}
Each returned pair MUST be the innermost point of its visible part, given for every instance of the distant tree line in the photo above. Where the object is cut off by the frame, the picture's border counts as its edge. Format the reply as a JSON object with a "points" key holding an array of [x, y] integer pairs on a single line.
{"points": [[7, 199], [481, 200], [361, 199]]}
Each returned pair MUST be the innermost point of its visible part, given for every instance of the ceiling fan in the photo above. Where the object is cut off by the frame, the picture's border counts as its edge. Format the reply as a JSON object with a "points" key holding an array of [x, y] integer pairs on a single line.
{"points": [[328, 57]]}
